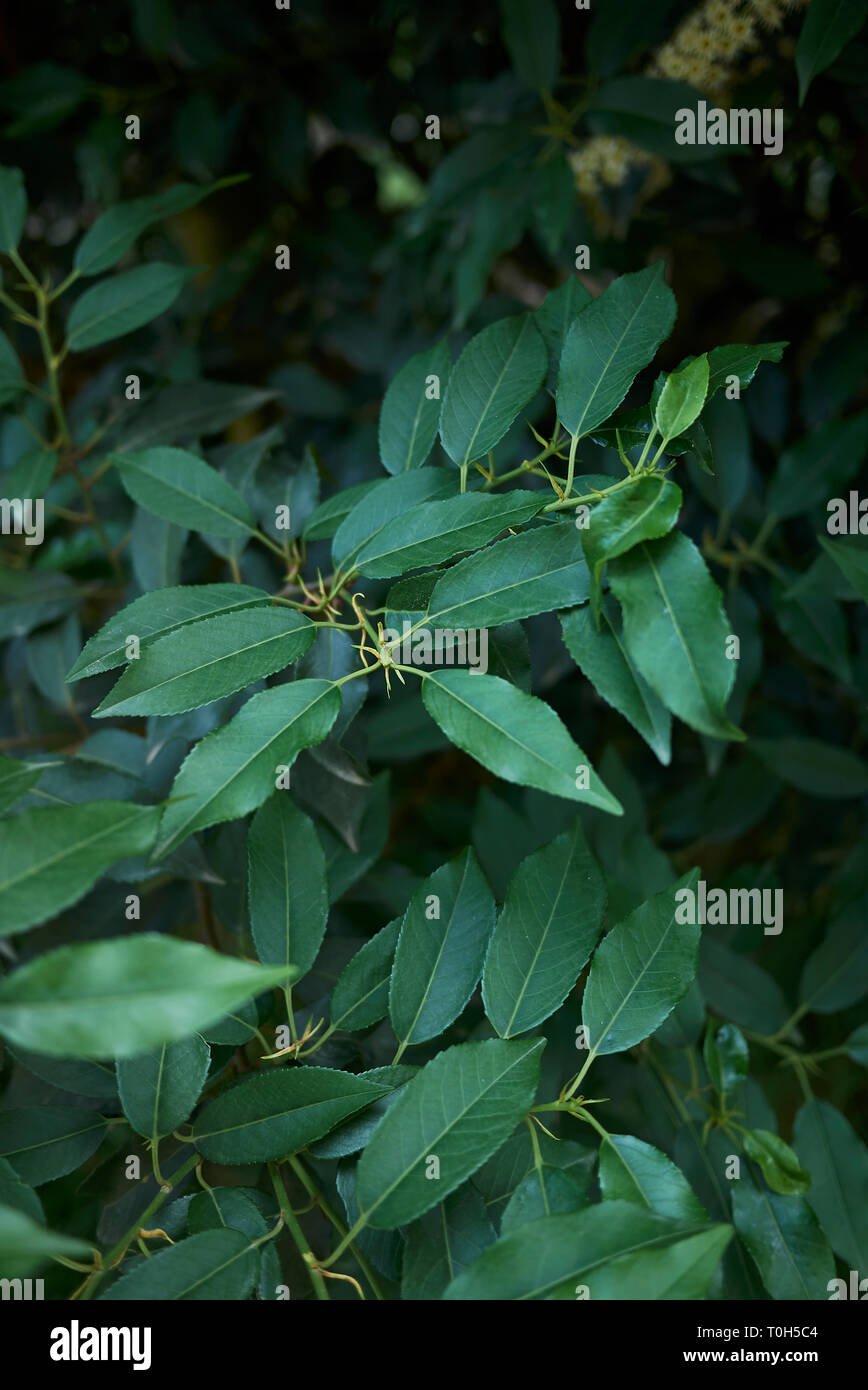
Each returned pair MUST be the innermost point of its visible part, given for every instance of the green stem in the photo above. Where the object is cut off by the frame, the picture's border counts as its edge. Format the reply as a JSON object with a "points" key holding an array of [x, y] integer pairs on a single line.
{"points": [[591, 496], [294, 1228], [331, 1215], [117, 1252]]}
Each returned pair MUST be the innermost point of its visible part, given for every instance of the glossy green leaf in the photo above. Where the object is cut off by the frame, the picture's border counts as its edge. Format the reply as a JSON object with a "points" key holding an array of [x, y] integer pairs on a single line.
{"points": [[441, 947], [267, 1116], [779, 1164], [50, 857], [784, 1241], [432, 532], [387, 500], [516, 736], [206, 660], [353, 1134], [214, 1265], [411, 409], [460, 1108], [550, 923], [676, 630], [124, 302], [682, 398], [287, 885], [159, 1089], [739, 360], [633, 1171], [643, 512], [115, 231], [609, 343], [122, 997], [497, 374], [726, 1057], [642, 968], [178, 486], [233, 770], [42, 1142], [837, 1161], [604, 659], [157, 614]]}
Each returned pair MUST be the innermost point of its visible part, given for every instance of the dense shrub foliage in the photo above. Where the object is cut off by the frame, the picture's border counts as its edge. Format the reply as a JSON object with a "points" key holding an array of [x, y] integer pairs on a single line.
{"points": [[432, 855]]}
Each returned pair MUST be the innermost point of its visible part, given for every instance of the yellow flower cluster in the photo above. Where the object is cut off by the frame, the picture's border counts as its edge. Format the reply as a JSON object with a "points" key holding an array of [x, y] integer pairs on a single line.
{"points": [[604, 161]]}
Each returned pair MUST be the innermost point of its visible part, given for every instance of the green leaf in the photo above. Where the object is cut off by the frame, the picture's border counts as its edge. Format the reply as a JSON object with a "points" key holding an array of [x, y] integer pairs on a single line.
{"points": [[726, 1057], [361, 996], [159, 1089], [548, 1258], [605, 661], [815, 767], [857, 1045], [79, 1078], [287, 885], [829, 26], [835, 975], [113, 233], [227, 1207], [531, 573], [432, 532], [737, 988], [498, 373], [214, 1265], [50, 857], [208, 659], [851, 560], [819, 466], [124, 302], [640, 971], [354, 1133], [554, 318], [388, 499], [784, 1240], [610, 341], [410, 414], [837, 1160], [443, 1242], [267, 1116], [16, 778], [13, 208], [440, 950], [233, 770], [643, 512], [550, 923], [122, 997], [157, 614], [546, 1191], [633, 1171], [682, 398], [27, 1245], [516, 736], [676, 630], [181, 488], [325, 519], [187, 410], [12, 383], [532, 33], [741, 361], [42, 1142], [778, 1162], [460, 1108]]}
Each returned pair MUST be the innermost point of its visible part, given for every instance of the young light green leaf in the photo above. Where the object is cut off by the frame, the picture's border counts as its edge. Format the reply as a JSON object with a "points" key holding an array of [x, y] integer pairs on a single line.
{"points": [[157, 614], [605, 661], [676, 630], [27, 1245], [633, 1171], [610, 341], [159, 1089], [114, 232], [516, 736], [682, 398], [778, 1162], [440, 950], [784, 1240], [233, 770], [443, 1242], [13, 208], [460, 1108], [42, 1142], [287, 885], [498, 373], [550, 923], [203, 661], [51, 856], [124, 302], [125, 996], [267, 1116], [361, 996], [640, 971], [520, 576], [643, 512], [432, 532], [178, 486], [213, 1265], [837, 1161], [411, 409]]}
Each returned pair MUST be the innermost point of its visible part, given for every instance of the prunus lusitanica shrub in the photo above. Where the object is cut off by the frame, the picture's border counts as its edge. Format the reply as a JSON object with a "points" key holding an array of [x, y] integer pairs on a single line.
{"points": [[433, 846]]}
